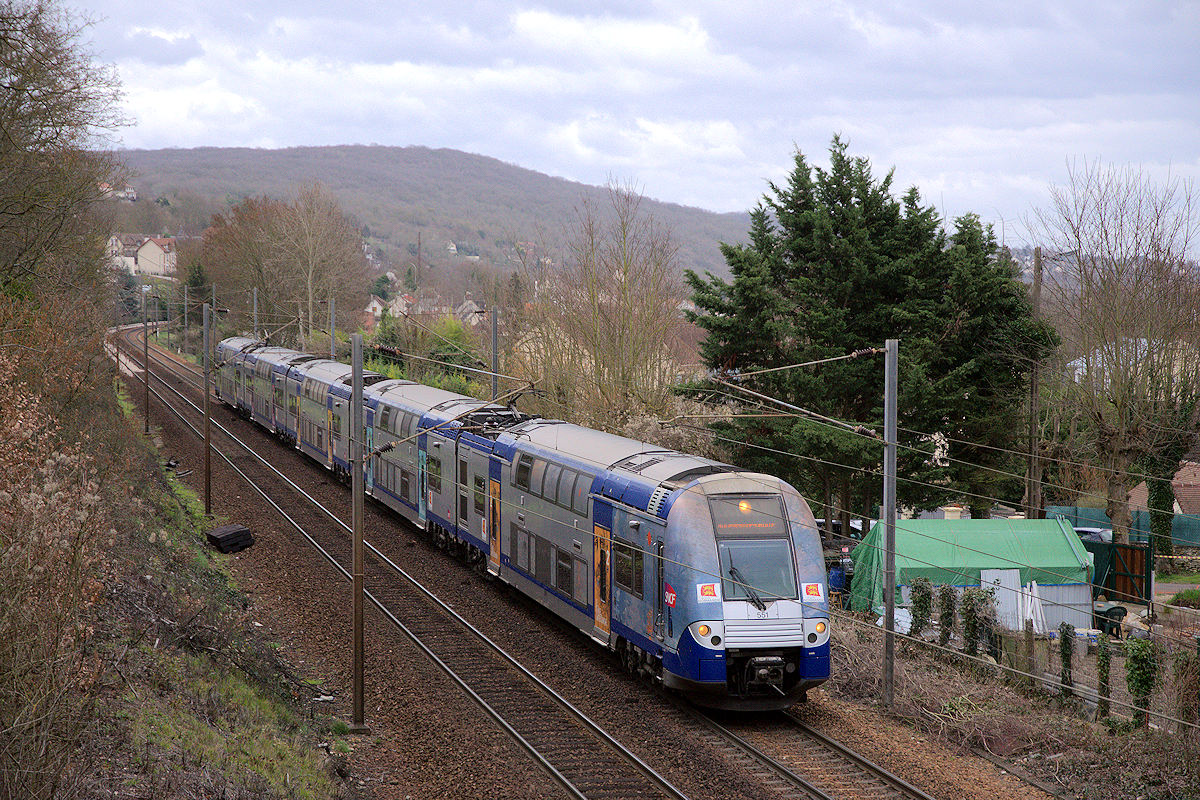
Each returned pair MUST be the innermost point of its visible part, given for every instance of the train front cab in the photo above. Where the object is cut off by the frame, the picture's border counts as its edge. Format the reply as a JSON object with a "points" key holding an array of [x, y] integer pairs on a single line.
{"points": [[746, 577]]}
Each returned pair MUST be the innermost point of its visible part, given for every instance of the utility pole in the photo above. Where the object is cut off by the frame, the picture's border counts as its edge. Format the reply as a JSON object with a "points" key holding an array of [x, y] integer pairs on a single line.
{"points": [[146, 358], [357, 490], [332, 337], [185, 314], [1033, 485], [890, 385], [207, 419], [495, 356], [255, 312]]}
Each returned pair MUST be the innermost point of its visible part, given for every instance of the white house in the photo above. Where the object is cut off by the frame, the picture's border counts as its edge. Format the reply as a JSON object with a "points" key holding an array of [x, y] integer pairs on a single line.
{"points": [[156, 256], [122, 251]]}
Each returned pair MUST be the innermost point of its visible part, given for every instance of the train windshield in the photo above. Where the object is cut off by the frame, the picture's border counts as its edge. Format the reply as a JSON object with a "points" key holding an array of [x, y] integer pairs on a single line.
{"points": [[755, 548]]}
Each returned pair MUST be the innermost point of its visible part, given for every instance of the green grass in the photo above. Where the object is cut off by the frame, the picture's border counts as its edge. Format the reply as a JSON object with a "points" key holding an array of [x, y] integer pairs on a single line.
{"points": [[1188, 598], [215, 721], [1183, 577]]}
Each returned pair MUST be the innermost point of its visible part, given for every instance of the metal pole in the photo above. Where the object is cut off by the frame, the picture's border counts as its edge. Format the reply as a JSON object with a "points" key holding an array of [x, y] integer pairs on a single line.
{"points": [[332, 338], [255, 312], [495, 355], [207, 418], [185, 314], [145, 361], [1033, 490], [889, 516], [356, 467]]}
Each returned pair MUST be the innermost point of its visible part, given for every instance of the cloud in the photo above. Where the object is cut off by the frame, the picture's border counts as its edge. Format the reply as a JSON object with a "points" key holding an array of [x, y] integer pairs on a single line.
{"points": [[699, 103], [160, 48]]}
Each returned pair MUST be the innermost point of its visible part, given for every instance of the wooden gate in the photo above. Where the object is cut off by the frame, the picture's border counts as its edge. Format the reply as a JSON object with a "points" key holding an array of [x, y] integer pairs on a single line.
{"points": [[1122, 571]]}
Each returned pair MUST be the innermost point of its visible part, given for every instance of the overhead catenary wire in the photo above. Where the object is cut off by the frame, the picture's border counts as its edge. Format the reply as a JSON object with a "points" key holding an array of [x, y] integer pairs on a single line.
{"points": [[1039, 677]]}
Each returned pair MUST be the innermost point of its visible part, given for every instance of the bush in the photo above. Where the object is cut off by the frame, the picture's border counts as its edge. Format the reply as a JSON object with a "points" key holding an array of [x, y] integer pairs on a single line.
{"points": [[978, 616], [921, 592], [1066, 649], [1188, 598], [947, 611], [1141, 675]]}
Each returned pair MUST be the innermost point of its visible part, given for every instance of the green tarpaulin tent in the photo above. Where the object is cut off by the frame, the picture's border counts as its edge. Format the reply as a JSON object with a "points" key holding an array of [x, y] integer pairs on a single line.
{"points": [[953, 551]]}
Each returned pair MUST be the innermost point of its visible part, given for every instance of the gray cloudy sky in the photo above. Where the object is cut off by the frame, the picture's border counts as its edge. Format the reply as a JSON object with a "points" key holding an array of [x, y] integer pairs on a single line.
{"points": [[979, 105]]}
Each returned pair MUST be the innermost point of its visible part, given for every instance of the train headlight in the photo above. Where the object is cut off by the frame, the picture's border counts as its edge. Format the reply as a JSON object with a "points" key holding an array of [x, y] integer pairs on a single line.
{"points": [[704, 630], [820, 627]]}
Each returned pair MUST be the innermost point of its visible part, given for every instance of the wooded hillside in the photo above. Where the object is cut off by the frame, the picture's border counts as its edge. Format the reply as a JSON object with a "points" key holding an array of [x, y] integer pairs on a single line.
{"points": [[481, 204]]}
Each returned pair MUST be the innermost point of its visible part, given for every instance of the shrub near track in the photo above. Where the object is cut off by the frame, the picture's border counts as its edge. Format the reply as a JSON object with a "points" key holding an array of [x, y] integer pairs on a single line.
{"points": [[127, 662]]}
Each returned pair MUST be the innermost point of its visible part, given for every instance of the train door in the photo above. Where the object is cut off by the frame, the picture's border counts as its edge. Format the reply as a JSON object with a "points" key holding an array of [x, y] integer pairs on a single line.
{"points": [[368, 448], [601, 587], [462, 472], [494, 527], [422, 482], [660, 582]]}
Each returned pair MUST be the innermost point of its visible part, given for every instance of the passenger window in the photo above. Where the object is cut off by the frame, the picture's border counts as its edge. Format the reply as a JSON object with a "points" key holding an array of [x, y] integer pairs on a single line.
{"points": [[535, 477], [523, 550], [521, 472], [581, 581], [566, 487], [583, 487], [544, 569], [405, 482], [563, 580], [550, 489]]}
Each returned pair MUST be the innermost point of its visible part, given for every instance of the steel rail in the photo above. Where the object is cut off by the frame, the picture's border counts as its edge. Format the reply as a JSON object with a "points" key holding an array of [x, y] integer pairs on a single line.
{"points": [[777, 768], [648, 772], [897, 783]]}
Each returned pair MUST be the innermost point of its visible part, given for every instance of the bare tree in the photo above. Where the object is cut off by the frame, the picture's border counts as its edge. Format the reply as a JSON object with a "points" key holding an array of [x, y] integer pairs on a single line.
{"points": [[318, 253], [56, 105], [297, 254], [1122, 288], [602, 322]]}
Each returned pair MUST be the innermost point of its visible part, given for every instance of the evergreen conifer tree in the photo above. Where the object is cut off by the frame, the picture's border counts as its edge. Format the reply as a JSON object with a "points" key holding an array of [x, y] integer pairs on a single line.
{"points": [[835, 263]]}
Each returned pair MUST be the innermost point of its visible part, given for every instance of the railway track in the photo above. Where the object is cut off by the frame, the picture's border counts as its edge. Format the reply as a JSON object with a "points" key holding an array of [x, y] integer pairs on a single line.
{"points": [[573, 749], [777, 752]]}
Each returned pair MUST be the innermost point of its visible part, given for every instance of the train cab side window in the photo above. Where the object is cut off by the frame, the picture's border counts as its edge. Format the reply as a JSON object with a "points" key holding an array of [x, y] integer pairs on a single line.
{"points": [[384, 418], [521, 472], [480, 495], [462, 475], [628, 566], [434, 465]]}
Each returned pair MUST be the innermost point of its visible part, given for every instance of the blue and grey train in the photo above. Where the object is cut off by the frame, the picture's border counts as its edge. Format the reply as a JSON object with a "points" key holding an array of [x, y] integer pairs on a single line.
{"points": [[706, 578]]}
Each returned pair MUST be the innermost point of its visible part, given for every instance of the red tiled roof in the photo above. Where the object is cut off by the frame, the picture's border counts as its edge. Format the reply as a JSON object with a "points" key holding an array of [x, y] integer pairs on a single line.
{"points": [[1186, 484]]}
